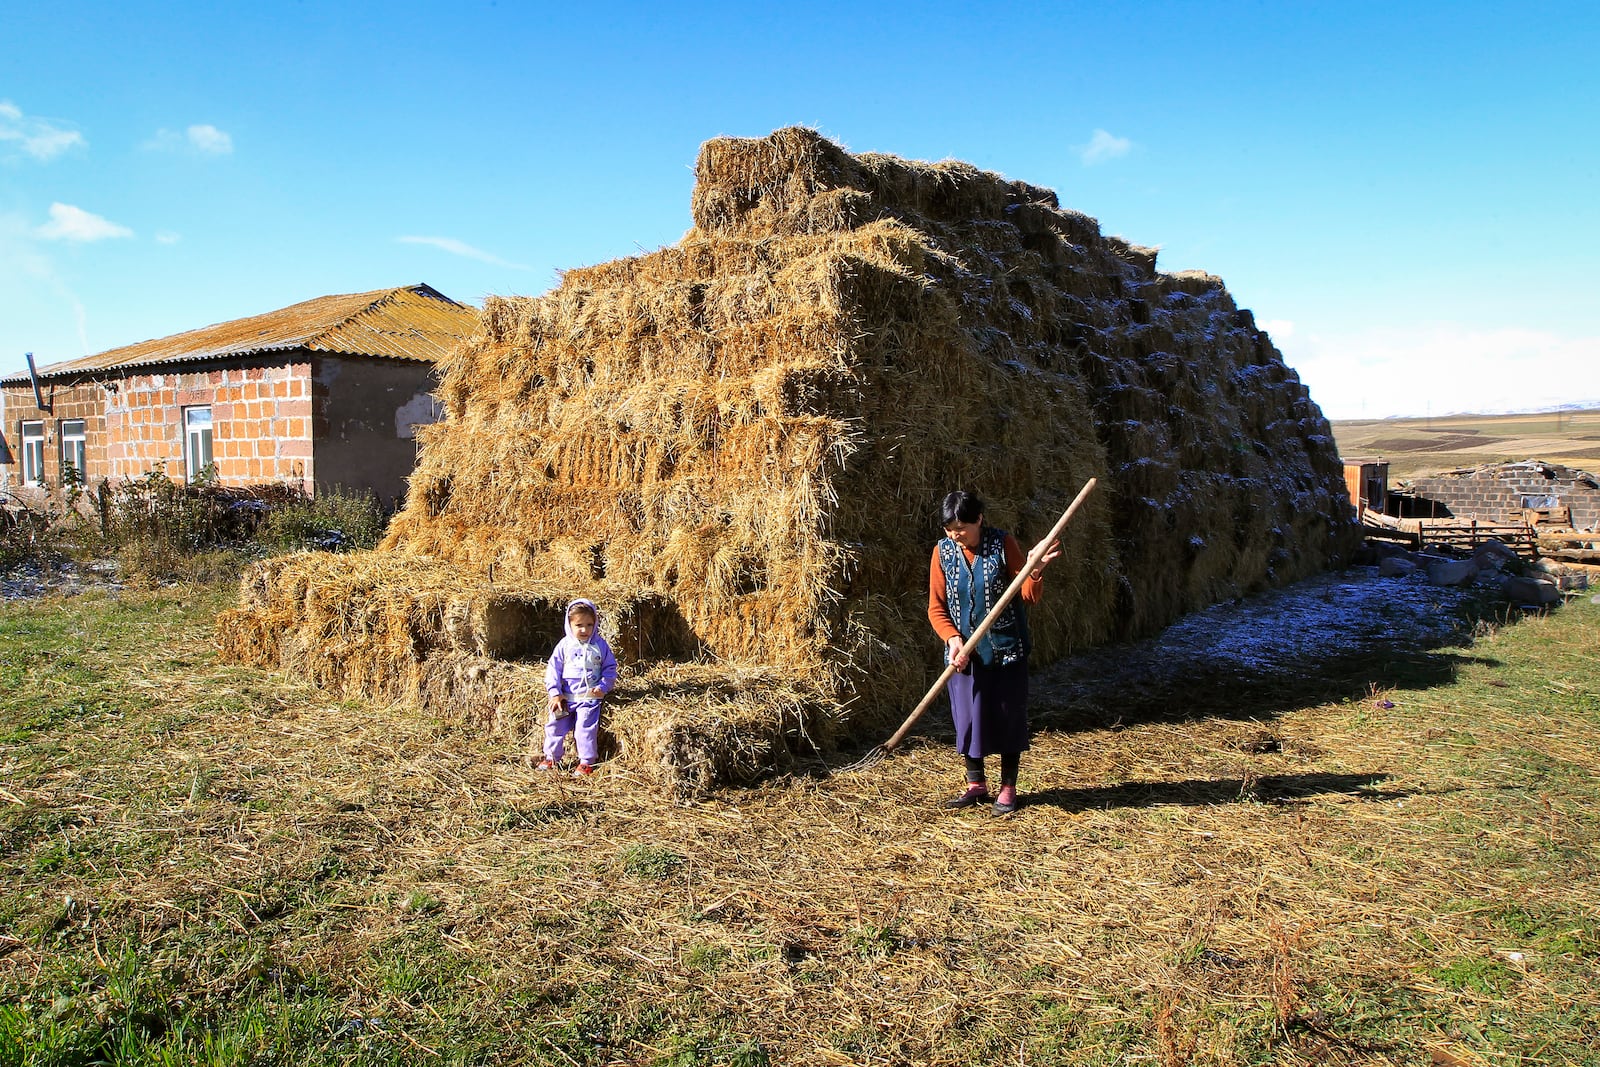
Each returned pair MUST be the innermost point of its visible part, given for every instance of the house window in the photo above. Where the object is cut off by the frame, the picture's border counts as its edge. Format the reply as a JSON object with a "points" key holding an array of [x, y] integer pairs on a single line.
{"points": [[196, 441], [73, 451], [33, 452]]}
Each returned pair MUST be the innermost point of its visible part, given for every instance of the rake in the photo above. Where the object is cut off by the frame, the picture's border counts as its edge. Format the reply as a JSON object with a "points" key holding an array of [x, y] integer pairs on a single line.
{"points": [[876, 755]]}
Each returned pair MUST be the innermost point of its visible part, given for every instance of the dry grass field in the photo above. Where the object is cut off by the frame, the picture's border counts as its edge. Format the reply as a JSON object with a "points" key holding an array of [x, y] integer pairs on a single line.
{"points": [[1419, 447], [1386, 857]]}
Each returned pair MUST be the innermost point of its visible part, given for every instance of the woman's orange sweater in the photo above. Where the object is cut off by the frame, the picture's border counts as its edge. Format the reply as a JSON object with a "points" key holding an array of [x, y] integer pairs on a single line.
{"points": [[939, 604]]}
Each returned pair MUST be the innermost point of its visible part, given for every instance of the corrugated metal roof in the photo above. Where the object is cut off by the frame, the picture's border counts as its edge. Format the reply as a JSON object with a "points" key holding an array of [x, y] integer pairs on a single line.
{"points": [[414, 322]]}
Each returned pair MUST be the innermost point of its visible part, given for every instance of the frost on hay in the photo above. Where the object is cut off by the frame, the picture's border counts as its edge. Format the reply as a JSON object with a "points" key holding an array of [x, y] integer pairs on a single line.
{"points": [[736, 446]]}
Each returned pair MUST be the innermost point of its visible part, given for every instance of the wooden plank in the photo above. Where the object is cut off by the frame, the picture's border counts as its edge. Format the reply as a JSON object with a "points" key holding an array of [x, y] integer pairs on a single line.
{"points": [[1568, 538], [1575, 555]]}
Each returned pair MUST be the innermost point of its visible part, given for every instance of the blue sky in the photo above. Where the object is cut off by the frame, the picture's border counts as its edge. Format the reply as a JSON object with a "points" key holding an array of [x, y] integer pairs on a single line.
{"points": [[1403, 193]]}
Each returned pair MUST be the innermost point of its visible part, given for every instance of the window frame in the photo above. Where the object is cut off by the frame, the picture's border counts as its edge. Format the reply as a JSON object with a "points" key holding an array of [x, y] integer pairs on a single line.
{"points": [[193, 460], [32, 451], [79, 460]]}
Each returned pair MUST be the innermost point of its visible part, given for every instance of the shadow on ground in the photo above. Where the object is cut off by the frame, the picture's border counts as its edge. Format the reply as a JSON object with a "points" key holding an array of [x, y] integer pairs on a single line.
{"points": [[1072, 699], [1202, 792]]}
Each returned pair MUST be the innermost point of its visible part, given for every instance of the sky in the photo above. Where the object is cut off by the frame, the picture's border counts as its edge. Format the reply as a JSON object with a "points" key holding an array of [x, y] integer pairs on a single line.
{"points": [[1403, 193]]}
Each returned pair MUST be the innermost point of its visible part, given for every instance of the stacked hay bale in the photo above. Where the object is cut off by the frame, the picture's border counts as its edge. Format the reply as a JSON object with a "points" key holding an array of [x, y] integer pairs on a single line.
{"points": [[736, 445]]}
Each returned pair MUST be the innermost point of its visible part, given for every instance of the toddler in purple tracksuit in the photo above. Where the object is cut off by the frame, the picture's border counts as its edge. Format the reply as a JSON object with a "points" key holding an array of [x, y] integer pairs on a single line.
{"points": [[580, 673]]}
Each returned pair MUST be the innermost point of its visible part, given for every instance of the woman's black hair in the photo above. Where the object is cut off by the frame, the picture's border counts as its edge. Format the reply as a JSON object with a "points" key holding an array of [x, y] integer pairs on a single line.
{"points": [[960, 506]]}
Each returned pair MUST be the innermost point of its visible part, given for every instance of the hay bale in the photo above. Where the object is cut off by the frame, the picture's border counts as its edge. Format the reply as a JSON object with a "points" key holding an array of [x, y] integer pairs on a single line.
{"points": [[736, 445]]}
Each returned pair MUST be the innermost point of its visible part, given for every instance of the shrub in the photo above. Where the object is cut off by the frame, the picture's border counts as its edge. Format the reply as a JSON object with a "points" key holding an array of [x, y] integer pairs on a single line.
{"points": [[336, 520], [157, 528], [28, 535]]}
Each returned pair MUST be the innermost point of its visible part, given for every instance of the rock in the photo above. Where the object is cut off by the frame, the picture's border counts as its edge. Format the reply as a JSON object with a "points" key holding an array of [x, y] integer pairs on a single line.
{"points": [[1573, 583], [1452, 572], [1497, 549], [1493, 555], [1395, 567], [1529, 590]]}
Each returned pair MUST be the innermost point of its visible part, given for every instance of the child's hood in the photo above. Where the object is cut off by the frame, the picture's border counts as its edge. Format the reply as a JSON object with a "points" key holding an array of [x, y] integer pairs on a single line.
{"points": [[580, 602]]}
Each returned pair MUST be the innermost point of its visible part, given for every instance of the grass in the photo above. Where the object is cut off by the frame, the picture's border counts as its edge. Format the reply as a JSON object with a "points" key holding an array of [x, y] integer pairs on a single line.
{"points": [[206, 864]]}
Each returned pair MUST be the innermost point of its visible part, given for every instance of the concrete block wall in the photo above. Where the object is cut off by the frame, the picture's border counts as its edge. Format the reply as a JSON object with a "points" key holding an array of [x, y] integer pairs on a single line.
{"points": [[1497, 495]]}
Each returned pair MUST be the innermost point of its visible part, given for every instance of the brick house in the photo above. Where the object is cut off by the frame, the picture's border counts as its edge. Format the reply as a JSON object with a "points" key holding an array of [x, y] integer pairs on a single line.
{"points": [[320, 394]]}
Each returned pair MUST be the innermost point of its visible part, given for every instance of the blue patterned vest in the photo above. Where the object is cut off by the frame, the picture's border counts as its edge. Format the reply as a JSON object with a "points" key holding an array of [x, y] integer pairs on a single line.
{"points": [[971, 590]]}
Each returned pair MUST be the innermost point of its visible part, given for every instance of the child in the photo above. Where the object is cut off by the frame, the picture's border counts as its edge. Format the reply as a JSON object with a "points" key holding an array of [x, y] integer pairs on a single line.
{"points": [[580, 673]]}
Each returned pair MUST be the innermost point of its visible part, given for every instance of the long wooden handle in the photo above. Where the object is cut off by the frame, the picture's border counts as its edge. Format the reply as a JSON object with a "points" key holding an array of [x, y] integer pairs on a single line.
{"points": [[994, 613]]}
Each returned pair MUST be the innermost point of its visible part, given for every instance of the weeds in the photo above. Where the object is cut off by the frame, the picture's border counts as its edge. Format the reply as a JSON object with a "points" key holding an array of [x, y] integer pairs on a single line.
{"points": [[334, 521], [162, 530], [28, 535], [651, 862]]}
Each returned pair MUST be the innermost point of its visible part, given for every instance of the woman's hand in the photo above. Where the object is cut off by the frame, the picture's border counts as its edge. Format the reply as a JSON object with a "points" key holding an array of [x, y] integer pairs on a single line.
{"points": [[1051, 554], [956, 657]]}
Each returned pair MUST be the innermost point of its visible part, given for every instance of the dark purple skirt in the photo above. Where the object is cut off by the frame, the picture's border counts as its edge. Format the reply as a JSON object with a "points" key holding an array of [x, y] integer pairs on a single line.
{"points": [[990, 709]]}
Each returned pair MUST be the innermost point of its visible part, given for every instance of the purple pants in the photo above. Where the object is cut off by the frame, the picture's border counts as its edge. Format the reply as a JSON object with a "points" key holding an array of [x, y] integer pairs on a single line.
{"points": [[990, 709], [583, 721]]}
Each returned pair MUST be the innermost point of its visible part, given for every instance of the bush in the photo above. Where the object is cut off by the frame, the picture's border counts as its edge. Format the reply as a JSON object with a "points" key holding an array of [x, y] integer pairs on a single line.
{"points": [[164, 530], [180, 518], [28, 536], [335, 521]]}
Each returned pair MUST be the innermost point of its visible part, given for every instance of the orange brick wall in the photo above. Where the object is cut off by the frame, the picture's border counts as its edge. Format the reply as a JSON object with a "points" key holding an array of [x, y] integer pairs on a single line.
{"points": [[261, 417], [82, 400], [260, 422]]}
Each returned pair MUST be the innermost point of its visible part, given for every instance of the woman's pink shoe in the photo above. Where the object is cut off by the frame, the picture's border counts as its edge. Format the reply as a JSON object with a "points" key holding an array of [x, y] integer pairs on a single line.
{"points": [[1006, 802]]}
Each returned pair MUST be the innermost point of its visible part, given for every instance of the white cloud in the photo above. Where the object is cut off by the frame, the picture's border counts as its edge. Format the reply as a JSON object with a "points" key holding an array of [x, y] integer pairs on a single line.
{"points": [[210, 140], [1102, 147], [38, 138], [167, 237], [1278, 328], [204, 139], [461, 248], [68, 223], [1441, 368]]}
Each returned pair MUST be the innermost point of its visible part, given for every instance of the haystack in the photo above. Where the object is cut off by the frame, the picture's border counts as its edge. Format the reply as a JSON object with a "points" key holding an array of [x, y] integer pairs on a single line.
{"points": [[736, 446]]}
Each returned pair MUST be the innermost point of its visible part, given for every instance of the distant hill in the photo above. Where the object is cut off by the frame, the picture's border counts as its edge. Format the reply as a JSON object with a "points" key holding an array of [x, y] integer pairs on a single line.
{"points": [[1420, 446]]}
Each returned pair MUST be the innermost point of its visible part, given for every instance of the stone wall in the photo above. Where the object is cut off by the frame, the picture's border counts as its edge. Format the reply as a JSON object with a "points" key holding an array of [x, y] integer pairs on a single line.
{"points": [[1496, 494]]}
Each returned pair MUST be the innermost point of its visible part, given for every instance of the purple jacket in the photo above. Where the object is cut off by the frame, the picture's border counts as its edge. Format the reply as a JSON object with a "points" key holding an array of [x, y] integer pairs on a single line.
{"points": [[576, 667]]}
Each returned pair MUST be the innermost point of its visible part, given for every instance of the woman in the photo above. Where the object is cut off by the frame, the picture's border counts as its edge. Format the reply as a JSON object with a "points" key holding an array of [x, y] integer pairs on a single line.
{"points": [[972, 567]]}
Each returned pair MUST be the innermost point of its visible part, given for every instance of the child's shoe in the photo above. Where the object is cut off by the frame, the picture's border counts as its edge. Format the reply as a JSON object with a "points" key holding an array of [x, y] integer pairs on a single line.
{"points": [[582, 770], [545, 765]]}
